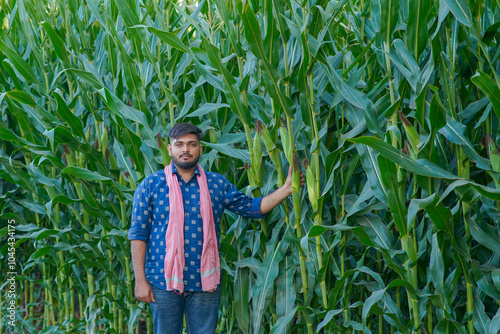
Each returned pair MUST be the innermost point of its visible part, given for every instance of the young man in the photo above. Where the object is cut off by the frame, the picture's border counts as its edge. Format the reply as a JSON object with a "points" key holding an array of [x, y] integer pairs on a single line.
{"points": [[174, 235]]}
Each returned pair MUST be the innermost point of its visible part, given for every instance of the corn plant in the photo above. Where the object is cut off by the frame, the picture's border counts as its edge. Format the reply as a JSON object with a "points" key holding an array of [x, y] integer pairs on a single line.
{"points": [[390, 109]]}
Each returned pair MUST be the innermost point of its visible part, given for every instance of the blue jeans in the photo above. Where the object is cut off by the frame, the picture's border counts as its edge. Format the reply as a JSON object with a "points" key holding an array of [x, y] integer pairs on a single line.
{"points": [[201, 309]]}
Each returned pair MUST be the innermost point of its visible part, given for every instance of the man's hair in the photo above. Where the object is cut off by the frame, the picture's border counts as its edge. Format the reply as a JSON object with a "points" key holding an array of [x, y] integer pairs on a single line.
{"points": [[182, 129]]}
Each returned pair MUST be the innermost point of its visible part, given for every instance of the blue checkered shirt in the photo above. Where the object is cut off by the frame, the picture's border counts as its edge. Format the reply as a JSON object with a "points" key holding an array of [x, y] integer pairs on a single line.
{"points": [[150, 214]]}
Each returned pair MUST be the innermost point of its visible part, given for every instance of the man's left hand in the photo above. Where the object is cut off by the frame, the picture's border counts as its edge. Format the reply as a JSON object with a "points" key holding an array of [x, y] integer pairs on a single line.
{"points": [[270, 201], [288, 182]]}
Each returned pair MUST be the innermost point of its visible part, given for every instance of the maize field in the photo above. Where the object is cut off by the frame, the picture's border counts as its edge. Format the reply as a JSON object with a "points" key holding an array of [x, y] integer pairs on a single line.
{"points": [[390, 108]]}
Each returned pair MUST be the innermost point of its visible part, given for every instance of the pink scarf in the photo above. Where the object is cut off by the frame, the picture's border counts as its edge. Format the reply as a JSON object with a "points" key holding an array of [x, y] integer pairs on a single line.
{"points": [[174, 238]]}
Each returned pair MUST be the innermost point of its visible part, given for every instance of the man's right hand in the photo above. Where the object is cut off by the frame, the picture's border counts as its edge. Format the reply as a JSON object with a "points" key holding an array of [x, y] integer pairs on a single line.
{"points": [[143, 292]]}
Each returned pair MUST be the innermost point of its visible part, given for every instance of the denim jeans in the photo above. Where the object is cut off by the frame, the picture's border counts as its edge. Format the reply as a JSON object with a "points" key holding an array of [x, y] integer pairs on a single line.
{"points": [[201, 309]]}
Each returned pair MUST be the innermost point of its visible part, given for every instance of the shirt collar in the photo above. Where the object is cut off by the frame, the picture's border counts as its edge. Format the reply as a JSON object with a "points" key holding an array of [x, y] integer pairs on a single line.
{"points": [[174, 170]]}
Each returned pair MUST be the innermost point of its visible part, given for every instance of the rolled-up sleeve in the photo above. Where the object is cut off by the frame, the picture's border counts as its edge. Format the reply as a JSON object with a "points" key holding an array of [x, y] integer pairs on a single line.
{"points": [[240, 203], [141, 214]]}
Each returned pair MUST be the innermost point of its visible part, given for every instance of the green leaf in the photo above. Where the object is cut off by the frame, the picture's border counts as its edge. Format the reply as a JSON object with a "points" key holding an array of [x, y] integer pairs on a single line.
{"points": [[87, 77], [206, 108], [409, 60], [40, 252], [363, 237], [488, 192], [272, 44], [135, 84], [230, 151], [252, 30], [402, 283], [422, 166], [252, 263], [437, 117], [94, 8], [8, 135], [375, 14], [19, 63], [461, 11], [171, 39], [241, 287], [59, 199], [389, 13], [376, 230], [23, 120], [57, 43], [489, 88], [456, 133], [328, 317], [286, 293], [133, 147], [495, 323], [84, 173], [135, 312], [229, 25], [354, 97], [485, 238], [486, 286], [282, 322], [279, 12], [370, 302], [19, 96], [137, 31], [440, 215], [267, 274], [420, 102], [270, 77], [91, 203], [317, 230], [73, 121], [44, 233], [436, 265], [417, 26], [490, 33], [32, 206], [121, 109], [124, 162], [493, 153], [481, 320], [369, 161], [231, 90], [395, 195], [150, 165]]}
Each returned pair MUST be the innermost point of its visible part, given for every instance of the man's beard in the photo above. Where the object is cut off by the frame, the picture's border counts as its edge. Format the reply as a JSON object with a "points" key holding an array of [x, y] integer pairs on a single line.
{"points": [[185, 164]]}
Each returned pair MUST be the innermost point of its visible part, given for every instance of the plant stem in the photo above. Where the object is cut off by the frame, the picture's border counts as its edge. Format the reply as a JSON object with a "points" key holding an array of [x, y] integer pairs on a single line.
{"points": [[429, 318], [410, 248], [470, 306], [1, 314]]}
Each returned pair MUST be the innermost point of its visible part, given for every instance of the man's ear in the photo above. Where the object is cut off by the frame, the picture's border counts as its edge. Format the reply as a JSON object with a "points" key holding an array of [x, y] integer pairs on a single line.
{"points": [[169, 148]]}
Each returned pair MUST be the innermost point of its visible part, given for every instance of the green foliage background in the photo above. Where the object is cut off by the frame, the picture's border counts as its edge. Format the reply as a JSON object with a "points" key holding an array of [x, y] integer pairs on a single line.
{"points": [[392, 106]]}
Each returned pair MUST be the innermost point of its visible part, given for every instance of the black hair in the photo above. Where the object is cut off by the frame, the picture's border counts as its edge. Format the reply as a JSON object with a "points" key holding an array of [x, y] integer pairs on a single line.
{"points": [[182, 129]]}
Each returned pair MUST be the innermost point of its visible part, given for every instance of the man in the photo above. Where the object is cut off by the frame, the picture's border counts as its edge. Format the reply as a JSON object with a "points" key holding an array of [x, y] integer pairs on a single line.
{"points": [[177, 269]]}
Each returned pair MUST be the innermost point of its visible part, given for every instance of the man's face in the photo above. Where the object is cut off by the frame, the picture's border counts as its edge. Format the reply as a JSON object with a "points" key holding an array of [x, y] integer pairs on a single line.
{"points": [[185, 151]]}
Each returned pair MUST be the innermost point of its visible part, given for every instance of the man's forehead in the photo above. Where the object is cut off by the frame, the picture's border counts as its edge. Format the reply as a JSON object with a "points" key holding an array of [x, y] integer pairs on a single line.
{"points": [[189, 138]]}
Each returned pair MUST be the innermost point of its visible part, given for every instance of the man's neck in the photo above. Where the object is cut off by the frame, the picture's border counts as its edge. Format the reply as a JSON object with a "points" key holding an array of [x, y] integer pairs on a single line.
{"points": [[186, 174]]}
